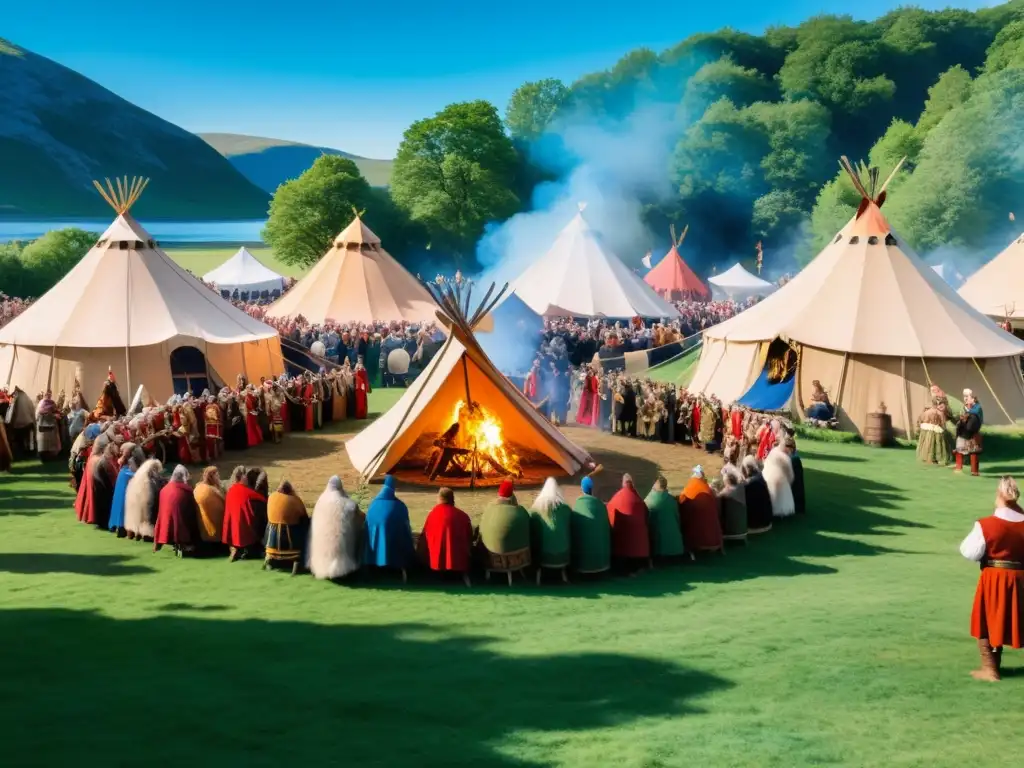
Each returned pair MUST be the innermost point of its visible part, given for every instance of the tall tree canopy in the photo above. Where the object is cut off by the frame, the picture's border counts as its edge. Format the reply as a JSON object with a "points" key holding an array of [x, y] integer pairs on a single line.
{"points": [[532, 107], [454, 173]]}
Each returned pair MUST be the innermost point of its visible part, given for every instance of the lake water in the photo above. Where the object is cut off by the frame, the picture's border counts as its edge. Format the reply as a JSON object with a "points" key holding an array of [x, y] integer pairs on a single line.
{"points": [[164, 232]]}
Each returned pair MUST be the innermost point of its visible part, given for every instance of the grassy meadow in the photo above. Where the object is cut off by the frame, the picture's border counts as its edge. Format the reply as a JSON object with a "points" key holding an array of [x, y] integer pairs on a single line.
{"points": [[840, 638]]}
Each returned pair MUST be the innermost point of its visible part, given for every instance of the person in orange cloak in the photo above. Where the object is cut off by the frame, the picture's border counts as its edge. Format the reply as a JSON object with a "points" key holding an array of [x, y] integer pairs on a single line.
{"points": [[362, 391], [590, 401], [997, 543], [447, 538], [698, 515], [627, 514]]}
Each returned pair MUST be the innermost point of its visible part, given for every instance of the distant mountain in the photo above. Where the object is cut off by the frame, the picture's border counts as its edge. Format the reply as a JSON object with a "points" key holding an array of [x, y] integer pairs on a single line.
{"points": [[268, 163], [59, 131]]}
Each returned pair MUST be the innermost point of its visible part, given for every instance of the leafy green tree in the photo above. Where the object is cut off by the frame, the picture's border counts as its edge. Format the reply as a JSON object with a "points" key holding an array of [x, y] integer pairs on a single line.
{"points": [[724, 78], [52, 256], [532, 107], [951, 90], [776, 214], [307, 213], [1006, 50], [455, 172], [14, 278]]}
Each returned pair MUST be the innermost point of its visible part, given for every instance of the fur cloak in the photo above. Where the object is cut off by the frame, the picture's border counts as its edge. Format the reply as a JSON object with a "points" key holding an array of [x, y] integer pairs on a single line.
{"points": [[142, 499], [334, 534], [778, 474]]}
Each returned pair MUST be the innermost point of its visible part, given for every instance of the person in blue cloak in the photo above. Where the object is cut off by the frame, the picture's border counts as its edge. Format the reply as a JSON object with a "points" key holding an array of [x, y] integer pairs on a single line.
{"points": [[388, 541]]}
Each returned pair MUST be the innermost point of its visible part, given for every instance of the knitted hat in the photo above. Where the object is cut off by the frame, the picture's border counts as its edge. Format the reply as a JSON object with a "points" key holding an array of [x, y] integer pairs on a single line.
{"points": [[389, 481], [587, 486], [506, 490]]}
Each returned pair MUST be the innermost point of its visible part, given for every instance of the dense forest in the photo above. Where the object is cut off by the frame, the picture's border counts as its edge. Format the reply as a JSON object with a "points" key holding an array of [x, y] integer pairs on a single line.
{"points": [[738, 136]]}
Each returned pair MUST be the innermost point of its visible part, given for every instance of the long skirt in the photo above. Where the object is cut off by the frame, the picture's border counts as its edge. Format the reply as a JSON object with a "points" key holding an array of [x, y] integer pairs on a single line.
{"points": [[998, 613], [286, 542], [934, 445]]}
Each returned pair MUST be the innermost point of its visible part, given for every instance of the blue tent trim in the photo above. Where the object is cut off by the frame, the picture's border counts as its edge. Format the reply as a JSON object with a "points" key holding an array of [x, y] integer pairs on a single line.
{"points": [[763, 395]]}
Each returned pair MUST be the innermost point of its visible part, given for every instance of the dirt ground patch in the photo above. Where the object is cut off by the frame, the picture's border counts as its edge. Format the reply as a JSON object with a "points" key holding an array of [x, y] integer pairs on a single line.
{"points": [[308, 460]]}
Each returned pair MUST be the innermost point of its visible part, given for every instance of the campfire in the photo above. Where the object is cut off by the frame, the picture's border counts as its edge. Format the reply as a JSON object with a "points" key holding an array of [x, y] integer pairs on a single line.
{"points": [[473, 446]]}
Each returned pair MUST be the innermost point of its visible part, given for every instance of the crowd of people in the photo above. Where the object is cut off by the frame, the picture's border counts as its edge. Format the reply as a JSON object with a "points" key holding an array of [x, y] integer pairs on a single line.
{"points": [[10, 308], [128, 495]]}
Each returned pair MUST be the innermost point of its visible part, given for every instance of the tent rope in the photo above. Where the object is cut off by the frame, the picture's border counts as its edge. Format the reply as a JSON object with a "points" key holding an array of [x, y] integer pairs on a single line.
{"points": [[994, 395]]}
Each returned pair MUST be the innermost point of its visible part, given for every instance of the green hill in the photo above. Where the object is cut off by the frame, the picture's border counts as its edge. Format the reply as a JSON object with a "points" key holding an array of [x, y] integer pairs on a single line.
{"points": [[268, 163], [59, 131]]}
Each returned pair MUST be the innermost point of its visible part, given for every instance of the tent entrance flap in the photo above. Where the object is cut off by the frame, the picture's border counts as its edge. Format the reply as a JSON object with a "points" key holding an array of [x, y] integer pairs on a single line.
{"points": [[773, 388]]}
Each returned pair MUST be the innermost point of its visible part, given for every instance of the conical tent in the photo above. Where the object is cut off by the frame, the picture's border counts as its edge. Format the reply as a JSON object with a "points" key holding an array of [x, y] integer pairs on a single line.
{"points": [[874, 324], [997, 289], [737, 284], [127, 307], [578, 277], [357, 281], [672, 279], [244, 272], [461, 373]]}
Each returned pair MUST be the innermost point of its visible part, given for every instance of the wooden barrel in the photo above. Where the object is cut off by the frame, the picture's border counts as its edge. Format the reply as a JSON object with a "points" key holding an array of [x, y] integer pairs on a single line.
{"points": [[878, 430]]}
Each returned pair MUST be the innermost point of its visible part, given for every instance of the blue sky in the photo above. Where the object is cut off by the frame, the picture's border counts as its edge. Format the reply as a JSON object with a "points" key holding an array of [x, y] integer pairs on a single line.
{"points": [[354, 75]]}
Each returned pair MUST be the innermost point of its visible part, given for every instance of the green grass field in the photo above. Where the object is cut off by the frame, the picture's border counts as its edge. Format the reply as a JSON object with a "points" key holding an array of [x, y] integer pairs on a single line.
{"points": [[837, 639], [201, 260], [679, 371]]}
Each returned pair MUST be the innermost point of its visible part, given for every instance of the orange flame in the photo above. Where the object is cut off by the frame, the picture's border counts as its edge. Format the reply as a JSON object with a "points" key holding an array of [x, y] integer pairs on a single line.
{"points": [[481, 430]]}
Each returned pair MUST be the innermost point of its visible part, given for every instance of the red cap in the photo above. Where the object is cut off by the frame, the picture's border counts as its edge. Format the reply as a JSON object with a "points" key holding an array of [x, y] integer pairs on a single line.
{"points": [[506, 489]]}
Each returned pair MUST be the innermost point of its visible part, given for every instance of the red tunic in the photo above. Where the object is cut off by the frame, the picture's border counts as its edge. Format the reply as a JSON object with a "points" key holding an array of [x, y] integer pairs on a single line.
{"points": [[253, 433], [588, 412], [307, 400], [628, 514], [177, 518], [214, 426], [96, 492], [765, 442], [241, 523], [736, 421], [448, 534], [695, 419], [998, 614], [698, 514], [362, 390], [530, 386]]}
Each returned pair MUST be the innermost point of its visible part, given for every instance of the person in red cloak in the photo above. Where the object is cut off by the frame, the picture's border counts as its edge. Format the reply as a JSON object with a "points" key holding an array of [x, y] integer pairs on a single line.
{"points": [[766, 438], [590, 401], [447, 538], [253, 432], [362, 391], [736, 422], [699, 515], [627, 514], [177, 518], [532, 384], [241, 516], [695, 421], [309, 407], [96, 491]]}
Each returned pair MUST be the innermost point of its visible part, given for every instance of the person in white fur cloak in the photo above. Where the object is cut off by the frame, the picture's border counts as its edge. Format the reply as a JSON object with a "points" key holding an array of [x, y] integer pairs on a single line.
{"points": [[142, 499], [778, 474], [334, 535]]}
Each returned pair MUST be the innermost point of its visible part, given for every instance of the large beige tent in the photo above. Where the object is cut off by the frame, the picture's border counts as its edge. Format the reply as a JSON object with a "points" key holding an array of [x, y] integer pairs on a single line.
{"points": [[357, 281], [578, 277], [128, 307], [461, 371], [875, 325], [997, 289]]}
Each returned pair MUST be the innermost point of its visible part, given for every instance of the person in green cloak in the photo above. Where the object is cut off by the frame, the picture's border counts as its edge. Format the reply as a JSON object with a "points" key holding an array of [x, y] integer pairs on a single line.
{"points": [[591, 532], [663, 522]]}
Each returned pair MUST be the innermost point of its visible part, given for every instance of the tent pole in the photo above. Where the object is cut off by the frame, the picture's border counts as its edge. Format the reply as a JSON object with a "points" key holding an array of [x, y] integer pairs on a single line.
{"points": [[465, 376], [128, 323], [994, 395]]}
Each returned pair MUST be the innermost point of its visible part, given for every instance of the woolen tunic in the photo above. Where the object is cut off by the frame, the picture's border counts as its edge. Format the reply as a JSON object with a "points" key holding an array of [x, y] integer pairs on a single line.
{"points": [[551, 536], [663, 522], [627, 515], [591, 535]]}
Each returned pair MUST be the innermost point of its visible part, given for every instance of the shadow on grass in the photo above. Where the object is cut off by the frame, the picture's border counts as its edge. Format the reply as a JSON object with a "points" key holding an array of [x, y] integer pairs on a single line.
{"points": [[34, 563], [192, 607], [815, 456], [276, 693]]}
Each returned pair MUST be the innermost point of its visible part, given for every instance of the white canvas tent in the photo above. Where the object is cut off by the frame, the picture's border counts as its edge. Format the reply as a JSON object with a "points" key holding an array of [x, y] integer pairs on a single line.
{"points": [[578, 277], [737, 284], [357, 281], [244, 272], [427, 406], [128, 307], [876, 325], [997, 289]]}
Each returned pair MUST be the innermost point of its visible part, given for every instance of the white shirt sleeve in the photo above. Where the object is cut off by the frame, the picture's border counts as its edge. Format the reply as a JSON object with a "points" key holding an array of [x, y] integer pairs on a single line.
{"points": [[973, 547]]}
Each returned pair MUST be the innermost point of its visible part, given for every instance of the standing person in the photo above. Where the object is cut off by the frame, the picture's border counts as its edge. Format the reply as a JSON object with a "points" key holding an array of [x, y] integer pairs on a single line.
{"points": [[505, 534], [308, 393], [590, 401], [550, 532], [997, 543], [561, 392], [177, 519], [591, 532], [214, 427], [388, 540], [934, 444], [253, 431], [968, 433], [799, 490], [627, 515], [362, 387], [287, 527], [663, 522], [48, 428], [447, 538], [333, 550]]}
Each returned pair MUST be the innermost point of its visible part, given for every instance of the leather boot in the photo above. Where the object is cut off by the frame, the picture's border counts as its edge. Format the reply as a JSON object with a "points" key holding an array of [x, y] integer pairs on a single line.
{"points": [[959, 462], [974, 464], [997, 656], [989, 671]]}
